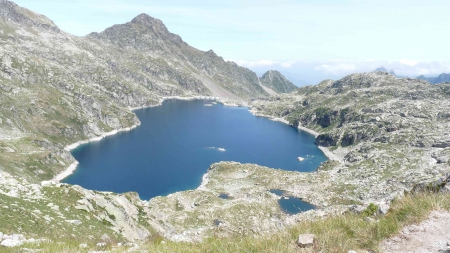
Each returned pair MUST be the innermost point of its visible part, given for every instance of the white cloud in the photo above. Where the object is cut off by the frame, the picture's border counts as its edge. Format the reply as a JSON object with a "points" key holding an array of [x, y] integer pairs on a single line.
{"points": [[423, 72], [408, 62], [264, 63], [287, 65], [336, 67], [251, 64]]}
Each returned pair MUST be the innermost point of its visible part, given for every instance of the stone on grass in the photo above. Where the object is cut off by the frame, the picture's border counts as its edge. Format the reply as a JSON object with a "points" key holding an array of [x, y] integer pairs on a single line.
{"points": [[383, 208], [13, 240], [106, 238], [306, 240], [74, 222], [82, 207]]}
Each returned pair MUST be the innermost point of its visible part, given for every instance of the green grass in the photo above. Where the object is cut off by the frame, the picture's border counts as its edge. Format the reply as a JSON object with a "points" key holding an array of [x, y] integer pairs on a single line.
{"points": [[341, 233]]}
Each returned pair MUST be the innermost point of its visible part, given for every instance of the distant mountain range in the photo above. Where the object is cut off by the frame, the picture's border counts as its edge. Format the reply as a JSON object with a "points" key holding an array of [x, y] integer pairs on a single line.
{"points": [[442, 78]]}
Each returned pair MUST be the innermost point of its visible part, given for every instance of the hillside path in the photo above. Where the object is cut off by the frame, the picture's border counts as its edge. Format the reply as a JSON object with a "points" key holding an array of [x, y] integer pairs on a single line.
{"points": [[431, 235]]}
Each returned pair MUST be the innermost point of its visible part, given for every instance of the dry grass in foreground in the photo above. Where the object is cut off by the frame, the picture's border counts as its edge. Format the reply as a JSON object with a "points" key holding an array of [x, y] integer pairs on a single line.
{"points": [[341, 233]]}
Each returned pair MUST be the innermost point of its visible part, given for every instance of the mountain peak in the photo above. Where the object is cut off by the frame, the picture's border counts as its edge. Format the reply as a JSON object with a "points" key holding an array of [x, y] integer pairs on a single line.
{"points": [[277, 82], [11, 12], [150, 22], [138, 32], [211, 53], [383, 69], [146, 19], [272, 72]]}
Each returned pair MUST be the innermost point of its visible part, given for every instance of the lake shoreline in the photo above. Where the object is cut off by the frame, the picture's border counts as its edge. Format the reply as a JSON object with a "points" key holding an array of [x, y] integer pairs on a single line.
{"points": [[72, 167], [330, 155]]}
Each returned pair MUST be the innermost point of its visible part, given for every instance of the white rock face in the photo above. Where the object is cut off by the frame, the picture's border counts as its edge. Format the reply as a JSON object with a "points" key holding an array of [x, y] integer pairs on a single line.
{"points": [[100, 201]]}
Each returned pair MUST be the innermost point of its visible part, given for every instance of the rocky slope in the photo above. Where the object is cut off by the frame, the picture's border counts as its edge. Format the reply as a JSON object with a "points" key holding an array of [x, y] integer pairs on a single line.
{"points": [[388, 135], [275, 81]]}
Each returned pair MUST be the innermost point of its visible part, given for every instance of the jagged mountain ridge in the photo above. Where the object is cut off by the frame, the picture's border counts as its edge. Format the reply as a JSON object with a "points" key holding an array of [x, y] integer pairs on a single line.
{"points": [[12, 12], [57, 88], [150, 36]]}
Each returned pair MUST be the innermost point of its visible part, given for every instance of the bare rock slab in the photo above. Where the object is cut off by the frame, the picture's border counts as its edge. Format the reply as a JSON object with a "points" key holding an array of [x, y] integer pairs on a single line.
{"points": [[306, 240]]}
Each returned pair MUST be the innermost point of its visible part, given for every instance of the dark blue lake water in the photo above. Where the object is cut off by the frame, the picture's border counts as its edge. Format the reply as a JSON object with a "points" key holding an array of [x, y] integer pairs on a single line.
{"points": [[290, 204], [179, 140]]}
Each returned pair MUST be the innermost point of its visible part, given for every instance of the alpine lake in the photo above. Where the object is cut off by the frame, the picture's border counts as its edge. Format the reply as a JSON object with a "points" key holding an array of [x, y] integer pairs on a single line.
{"points": [[177, 142]]}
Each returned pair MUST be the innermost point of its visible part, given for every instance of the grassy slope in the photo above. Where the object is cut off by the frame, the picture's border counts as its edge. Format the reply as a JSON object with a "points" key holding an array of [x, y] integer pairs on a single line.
{"points": [[350, 231]]}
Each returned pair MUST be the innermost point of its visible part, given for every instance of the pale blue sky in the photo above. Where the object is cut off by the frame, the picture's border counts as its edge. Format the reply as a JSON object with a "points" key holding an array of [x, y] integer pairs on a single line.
{"points": [[319, 39]]}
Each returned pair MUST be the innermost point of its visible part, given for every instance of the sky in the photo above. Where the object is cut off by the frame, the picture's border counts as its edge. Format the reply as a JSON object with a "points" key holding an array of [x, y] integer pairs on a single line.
{"points": [[306, 40]]}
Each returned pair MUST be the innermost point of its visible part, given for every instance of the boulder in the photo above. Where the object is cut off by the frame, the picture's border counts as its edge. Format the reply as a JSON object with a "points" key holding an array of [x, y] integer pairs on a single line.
{"points": [[106, 238], [13, 240], [383, 208], [306, 240], [74, 222]]}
